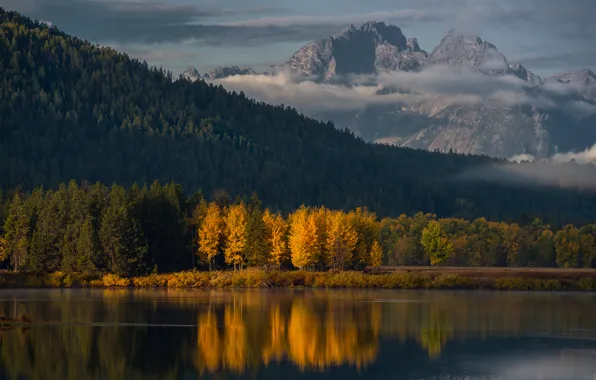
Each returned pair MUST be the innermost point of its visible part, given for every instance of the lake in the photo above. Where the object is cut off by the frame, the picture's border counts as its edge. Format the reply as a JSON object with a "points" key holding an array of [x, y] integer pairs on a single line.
{"points": [[297, 334]]}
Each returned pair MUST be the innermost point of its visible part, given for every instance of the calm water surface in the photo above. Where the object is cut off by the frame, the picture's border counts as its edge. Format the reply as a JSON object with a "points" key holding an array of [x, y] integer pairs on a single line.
{"points": [[297, 334]]}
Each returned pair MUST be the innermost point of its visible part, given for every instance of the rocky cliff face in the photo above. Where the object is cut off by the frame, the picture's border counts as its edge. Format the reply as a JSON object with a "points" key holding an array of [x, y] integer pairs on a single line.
{"points": [[368, 49], [223, 72], [192, 73]]}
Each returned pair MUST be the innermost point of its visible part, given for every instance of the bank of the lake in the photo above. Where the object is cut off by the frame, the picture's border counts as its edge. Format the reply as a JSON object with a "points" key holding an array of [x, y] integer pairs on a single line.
{"points": [[543, 279]]}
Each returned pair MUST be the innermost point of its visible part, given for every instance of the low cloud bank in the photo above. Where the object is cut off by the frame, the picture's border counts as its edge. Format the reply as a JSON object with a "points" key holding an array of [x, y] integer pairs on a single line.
{"points": [[439, 84]]}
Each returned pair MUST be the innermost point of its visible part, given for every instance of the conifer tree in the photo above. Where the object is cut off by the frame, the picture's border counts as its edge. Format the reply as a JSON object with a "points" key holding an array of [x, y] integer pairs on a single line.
{"points": [[121, 237], [256, 238], [17, 232]]}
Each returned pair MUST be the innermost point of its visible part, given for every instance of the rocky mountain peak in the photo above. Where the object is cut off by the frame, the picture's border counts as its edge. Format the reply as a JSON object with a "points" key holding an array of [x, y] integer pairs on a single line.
{"points": [[522, 73], [224, 72], [370, 48], [191, 73], [464, 50], [580, 77], [583, 81]]}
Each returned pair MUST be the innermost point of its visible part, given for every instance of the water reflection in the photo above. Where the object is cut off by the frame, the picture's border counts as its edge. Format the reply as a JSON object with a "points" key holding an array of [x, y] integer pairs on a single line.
{"points": [[84, 334]]}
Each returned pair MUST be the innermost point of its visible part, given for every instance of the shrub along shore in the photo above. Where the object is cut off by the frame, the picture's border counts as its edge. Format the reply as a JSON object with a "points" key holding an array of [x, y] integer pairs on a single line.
{"points": [[492, 279]]}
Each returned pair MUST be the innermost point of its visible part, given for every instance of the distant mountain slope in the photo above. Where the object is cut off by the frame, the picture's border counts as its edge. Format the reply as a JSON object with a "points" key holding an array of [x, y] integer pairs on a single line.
{"points": [[70, 109], [543, 117]]}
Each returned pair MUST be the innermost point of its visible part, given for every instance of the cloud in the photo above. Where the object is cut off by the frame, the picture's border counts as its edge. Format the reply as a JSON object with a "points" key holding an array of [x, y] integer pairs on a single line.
{"points": [[403, 15], [142, 21], [587, 156], [522, 157], [545, 173], [442, 85]]}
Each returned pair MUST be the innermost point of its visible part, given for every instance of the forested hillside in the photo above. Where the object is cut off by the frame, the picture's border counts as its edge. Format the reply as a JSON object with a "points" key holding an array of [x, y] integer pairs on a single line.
{"points": [[73, 110]]}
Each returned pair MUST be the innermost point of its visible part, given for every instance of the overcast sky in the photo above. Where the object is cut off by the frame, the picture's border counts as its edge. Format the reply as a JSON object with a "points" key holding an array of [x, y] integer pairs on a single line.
{"points": [[547, 36]]}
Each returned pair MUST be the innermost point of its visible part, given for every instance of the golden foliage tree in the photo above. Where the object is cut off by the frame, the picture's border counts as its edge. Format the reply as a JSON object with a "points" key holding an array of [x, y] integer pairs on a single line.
{"points": [[210, 233], [367, 228], [567, 245], [3, 253], [304, 246], [376, 255], [321, 218], [437, 245], [236, 224], [341, 240], [277, 235]]}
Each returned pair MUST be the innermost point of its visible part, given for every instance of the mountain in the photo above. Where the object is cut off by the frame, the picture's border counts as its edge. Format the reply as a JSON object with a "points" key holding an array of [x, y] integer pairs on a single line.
{"points": [[223, 72], [191, 74], [581, 81], [462, 50], [369, 49], [525, 114], [91, 114]]}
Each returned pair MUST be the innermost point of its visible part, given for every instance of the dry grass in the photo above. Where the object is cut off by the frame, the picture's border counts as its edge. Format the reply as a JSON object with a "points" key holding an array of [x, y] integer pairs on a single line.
{"points": [[493, 273], [388, 278]]}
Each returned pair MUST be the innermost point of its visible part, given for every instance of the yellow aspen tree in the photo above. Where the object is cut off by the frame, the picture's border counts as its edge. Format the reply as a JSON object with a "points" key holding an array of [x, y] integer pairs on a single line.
{"points": [[304, 245], [376, 255], [320, 218], [277, 238], [236, 224], [3, 253], [210, 234], [341, 240], [367, 227]]}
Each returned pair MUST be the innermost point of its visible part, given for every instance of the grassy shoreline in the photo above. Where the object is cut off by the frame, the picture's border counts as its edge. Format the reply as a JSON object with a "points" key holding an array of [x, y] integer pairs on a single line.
{"points": [[397, 278]]}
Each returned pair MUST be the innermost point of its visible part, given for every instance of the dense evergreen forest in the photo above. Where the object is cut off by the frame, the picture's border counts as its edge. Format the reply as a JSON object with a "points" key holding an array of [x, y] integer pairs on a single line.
{"points": [[71, 109], [97, 230]]}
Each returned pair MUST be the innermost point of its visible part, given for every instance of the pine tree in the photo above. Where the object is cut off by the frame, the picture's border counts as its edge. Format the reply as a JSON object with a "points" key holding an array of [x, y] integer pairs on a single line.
{"points": [[210, 234], [256, 239], [78, 211], [17, 232], [236, 236], [48, 238], [87, 248], [121, 237]]}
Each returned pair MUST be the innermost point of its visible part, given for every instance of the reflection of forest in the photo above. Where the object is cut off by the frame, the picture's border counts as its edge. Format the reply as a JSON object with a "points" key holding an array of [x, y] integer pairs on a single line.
{"points": [[245, 331]]}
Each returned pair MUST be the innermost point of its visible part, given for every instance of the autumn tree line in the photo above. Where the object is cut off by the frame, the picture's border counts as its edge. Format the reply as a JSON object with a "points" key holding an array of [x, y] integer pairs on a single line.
{"points": [[95, 229]]}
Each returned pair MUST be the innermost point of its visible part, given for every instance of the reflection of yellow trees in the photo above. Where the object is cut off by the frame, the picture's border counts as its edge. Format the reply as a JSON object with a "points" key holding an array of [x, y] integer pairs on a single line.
{"points": [[277, 345], [208, 332], [436, 332], [307, 334]]}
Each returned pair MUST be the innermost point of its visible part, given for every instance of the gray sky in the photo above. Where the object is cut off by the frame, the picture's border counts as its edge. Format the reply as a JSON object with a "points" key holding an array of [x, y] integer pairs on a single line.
{"points": [[546, 36]]}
